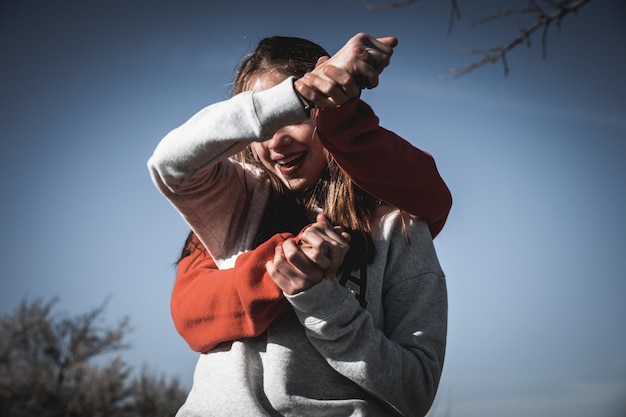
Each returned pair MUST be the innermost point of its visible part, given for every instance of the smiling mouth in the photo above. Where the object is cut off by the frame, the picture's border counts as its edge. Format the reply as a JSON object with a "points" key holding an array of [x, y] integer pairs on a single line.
{"points": [[291, 162]]}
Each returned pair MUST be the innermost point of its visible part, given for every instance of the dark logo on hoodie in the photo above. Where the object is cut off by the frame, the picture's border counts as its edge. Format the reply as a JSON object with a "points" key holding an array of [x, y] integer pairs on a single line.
{"points": [[356, 284]]}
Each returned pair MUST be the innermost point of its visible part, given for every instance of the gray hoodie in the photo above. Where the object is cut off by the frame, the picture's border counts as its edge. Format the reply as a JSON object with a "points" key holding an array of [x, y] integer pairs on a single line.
{"points": [[368, 344]]}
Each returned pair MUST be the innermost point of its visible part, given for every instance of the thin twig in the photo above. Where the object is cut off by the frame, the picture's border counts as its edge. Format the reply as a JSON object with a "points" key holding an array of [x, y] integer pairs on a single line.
{"points": [[500, 14], [455, 13]]}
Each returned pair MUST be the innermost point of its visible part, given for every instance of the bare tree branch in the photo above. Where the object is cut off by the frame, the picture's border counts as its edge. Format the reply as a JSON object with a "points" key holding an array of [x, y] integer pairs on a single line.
{"points": [[543, 20], [500, 14], [542, 17]]}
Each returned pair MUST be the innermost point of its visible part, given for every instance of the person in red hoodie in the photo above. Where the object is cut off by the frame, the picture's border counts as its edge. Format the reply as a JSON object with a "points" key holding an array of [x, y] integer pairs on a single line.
{"points": [[248, 174]]}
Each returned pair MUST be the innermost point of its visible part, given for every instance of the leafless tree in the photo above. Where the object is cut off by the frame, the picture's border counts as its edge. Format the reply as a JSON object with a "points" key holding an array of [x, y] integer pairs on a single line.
{"points": [[539, 14], [48, 369]]}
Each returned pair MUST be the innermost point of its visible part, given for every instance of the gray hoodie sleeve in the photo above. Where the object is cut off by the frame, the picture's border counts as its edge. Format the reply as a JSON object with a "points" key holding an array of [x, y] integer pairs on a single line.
{"points": [[191, 166], [400, 364]]}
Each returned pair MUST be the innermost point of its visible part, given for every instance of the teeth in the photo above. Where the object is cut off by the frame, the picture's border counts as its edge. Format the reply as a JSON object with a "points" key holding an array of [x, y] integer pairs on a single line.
{"points": [[289, 160]]}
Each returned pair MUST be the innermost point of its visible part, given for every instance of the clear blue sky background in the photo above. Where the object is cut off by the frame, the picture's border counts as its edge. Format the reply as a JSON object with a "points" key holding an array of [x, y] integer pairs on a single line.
{"points": [[534, 246]]}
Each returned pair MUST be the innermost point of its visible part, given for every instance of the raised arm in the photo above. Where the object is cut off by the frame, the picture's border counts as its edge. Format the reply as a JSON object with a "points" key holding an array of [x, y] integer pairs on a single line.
{"points": [[220, 200], [384, 164], [377, 160]]}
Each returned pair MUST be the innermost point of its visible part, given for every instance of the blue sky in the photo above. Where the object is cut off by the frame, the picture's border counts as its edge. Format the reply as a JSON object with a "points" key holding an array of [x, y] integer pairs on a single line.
{"points": [[533, 249]]}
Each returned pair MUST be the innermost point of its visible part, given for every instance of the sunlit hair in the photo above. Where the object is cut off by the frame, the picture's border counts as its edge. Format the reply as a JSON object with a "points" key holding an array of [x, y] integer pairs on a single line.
{"points": [[283, 54], [341, 200]]}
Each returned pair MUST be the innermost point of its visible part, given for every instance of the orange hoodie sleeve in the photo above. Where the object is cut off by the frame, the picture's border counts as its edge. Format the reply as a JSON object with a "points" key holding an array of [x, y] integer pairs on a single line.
{"points": [[384, 164], [211, 306]]}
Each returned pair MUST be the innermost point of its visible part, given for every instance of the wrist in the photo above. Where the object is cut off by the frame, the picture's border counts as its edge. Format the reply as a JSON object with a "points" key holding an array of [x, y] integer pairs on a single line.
{"points": [[307, 105]]}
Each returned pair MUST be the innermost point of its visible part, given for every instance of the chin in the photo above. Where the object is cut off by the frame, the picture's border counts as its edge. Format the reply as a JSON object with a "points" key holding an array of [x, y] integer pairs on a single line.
{"points": [[296, 185]]}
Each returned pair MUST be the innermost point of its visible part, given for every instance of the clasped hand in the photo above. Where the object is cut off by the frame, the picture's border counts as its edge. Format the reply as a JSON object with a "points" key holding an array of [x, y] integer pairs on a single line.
{"points": [[340, 78], [317, 253]]}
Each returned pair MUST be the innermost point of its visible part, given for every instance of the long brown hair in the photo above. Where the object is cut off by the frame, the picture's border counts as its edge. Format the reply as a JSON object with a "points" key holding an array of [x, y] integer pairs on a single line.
{"points": [[342, 201]]}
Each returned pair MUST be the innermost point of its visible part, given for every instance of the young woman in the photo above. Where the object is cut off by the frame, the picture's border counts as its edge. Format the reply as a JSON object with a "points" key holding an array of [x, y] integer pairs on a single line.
{"points": [[370, 342]]}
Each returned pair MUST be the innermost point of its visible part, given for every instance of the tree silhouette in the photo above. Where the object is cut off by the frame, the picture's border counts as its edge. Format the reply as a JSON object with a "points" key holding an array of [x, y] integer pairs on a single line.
{"points": [[48, 369]]}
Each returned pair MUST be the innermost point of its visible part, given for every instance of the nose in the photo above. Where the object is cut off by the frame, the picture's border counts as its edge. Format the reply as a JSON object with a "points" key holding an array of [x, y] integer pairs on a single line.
{"points": [[279, 140]]}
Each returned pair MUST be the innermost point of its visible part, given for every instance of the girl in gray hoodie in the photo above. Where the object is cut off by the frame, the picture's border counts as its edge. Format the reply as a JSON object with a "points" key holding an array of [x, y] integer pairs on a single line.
{"points": [[247, 175]]}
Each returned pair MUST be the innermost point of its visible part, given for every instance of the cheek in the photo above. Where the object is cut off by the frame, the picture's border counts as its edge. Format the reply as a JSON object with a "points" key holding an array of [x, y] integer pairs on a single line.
{"points": [[259, 152], [321, 157]]}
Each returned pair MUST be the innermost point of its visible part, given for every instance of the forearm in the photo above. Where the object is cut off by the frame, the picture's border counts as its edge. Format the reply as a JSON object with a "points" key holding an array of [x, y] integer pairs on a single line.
{"points": [[211, 306], [221, 200], [400, 366], [221, 130], [384, 164]]}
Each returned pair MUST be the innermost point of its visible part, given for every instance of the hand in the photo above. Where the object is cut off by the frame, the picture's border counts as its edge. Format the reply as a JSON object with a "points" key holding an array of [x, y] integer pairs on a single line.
{"points": [[325, 244], [355, 66], [365, 57], [318, 255]]}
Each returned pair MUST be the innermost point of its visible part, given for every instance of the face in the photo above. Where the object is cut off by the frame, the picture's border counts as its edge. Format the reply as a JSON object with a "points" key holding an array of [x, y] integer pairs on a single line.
{"points": [[292, 154]]}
